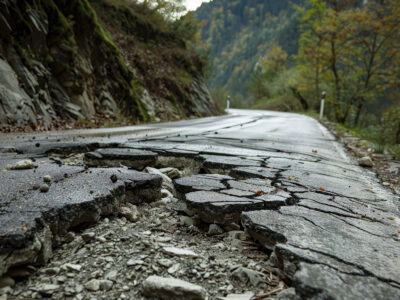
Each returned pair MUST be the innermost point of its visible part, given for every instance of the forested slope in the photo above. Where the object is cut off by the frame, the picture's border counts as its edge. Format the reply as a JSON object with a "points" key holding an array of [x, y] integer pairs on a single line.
{"points": [[238, 33]]}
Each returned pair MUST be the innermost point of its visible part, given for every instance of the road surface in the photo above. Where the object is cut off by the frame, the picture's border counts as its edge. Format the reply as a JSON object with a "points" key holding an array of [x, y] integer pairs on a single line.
{"points": [[330, 226]]}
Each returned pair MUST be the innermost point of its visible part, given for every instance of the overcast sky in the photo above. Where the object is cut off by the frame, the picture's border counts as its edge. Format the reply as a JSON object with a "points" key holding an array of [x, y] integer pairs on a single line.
{"points": [[193, 4]]}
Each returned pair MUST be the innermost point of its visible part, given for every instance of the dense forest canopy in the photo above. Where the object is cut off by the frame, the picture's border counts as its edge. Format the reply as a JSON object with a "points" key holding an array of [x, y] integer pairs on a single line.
{"points": [[238, 33]]}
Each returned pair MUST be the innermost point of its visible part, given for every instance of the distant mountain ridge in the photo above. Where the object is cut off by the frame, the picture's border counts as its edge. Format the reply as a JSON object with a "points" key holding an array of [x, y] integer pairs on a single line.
{"points": [[238, 33]]}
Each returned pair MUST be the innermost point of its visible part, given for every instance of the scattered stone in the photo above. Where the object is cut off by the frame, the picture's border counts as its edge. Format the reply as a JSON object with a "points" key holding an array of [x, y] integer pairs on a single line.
{"points": [[8, 149], [50, 271], [72, 267], [172, 173], [247, 276], [166, 193], [231, 227], [88, 236], [288, 294], [165, 262], [167, 182], [114, 178], [365, 161], [46, 289], [134, 262], [174, 269], [93, 285], [245, 296], [105, 285], [69, 237], [186, 221], [47, 178], [130, 212], [44, 188], [6, 281], [214, 229], [112, 275], [179, 252], [171, 288], [20, 165]]}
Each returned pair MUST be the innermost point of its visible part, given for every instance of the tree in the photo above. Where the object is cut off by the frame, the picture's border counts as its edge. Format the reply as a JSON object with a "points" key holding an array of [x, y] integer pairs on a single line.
{"points": [[374, 50], [353, 49], [311, 41]]}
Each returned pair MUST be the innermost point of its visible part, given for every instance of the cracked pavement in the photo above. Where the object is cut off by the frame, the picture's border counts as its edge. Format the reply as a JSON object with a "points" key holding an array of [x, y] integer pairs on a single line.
{"points": [[327, 225]]}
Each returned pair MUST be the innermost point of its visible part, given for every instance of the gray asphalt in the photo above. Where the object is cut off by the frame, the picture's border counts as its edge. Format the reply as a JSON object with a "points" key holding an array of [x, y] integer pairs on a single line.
{"points": [[332, 228]]}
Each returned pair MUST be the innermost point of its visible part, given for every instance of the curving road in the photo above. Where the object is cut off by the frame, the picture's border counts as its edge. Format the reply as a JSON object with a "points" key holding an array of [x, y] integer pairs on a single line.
{"points": [[332, 228]]}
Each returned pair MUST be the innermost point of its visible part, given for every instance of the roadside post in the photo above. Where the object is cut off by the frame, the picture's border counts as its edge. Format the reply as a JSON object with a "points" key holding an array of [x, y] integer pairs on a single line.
{"points": [[228, 102], [321, 113]]}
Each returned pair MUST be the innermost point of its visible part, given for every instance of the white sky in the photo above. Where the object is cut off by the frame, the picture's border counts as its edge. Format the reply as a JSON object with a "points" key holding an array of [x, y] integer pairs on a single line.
{"points": [[193, 4]]}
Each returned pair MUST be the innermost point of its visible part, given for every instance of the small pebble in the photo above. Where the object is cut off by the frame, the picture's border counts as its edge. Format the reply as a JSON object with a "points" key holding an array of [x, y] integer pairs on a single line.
{"points": [[114, 178], [47, 178], [44, 188]]}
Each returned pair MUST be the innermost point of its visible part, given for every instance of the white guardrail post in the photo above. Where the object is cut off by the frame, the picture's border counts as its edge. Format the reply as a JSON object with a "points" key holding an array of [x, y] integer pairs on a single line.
{"points": [[321, 113]]}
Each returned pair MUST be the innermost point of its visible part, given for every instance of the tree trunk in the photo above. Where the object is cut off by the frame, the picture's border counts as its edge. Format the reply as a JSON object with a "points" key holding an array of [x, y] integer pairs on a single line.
{"points": [[359, 108], [303, 101], [398, 134]]}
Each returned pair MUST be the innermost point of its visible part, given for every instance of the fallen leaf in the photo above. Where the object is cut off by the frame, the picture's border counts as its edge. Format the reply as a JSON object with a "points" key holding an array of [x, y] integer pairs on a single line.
{"points": [[322, 189], [315, 151], [259, 193], [25, 227]]}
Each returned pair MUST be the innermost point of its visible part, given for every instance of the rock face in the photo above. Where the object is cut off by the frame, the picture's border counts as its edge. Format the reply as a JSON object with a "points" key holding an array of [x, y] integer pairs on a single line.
{"points": [[58, 62]]}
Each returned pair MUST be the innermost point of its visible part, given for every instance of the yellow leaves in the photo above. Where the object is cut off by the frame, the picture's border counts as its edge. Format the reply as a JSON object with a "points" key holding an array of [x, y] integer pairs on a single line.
{"points": [[25, 227]]}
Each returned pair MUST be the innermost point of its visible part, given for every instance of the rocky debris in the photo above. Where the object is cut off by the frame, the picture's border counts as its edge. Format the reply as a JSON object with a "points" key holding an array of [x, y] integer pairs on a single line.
{"points": [[46, 289], [130, 212], [187, 221], [92, 285], [366, 161], [247, 276], [172, 173], [172, 288], [214, 229], [167, 181], [288, 294], [6, 281], [245, 296], [47, 178], [88, 236], [44, 188], [127, 253], [20, 165], [115, 157], [173, 251], [114, 178]]}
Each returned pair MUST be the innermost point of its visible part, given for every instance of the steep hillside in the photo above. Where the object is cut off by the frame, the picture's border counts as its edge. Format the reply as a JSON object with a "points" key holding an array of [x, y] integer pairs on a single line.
{"points": [[58, 61], [238, 33]]}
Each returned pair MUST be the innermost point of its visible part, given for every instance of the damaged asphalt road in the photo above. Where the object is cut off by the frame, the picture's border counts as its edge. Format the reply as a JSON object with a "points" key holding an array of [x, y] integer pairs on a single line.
{"points": [[327, 225]]}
